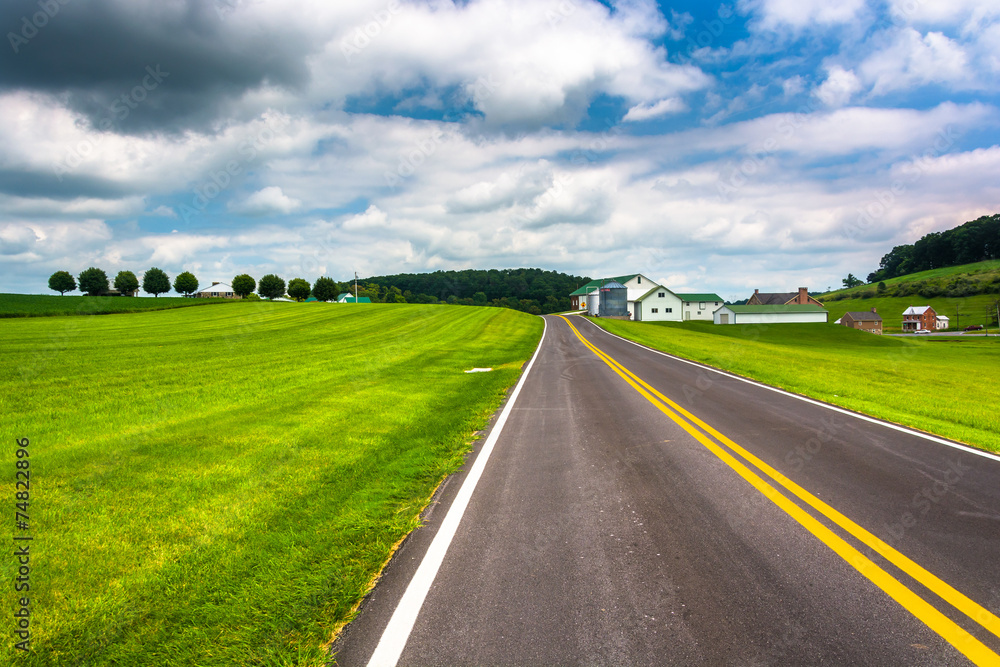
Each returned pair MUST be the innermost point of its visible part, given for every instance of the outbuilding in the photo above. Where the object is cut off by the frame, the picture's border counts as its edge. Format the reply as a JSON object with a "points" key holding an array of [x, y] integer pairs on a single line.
{"points": [[770, 314]]}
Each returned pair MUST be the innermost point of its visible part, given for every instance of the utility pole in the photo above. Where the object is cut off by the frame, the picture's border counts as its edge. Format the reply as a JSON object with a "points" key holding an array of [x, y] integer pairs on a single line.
{"points": [[355, 287]]}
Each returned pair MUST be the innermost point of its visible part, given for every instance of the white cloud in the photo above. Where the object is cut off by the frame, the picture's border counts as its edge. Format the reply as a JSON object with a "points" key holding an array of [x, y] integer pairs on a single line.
{"points": [[802, 13], [913, 59], [269, 201], [838, 89], [646, 111]]}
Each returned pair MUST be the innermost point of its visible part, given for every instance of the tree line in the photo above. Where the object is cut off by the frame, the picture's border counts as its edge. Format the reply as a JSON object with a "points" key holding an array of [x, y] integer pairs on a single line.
{"points": [[530, 290], [975, 241]]}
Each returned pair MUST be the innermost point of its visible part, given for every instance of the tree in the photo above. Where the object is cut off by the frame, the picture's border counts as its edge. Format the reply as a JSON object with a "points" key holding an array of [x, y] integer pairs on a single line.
{"points": [[93, 281], [243, 285], [298, 289], [479, 298], [126, 283], [325, 289], [185, 283], [271, 287], [851, 281], [62, 282], [155, 282]]}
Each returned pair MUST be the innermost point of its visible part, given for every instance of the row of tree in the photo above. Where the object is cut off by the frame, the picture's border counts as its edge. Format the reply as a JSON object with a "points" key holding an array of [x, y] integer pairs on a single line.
{"points": [[530, 290], [974, 241], [94, 282]]}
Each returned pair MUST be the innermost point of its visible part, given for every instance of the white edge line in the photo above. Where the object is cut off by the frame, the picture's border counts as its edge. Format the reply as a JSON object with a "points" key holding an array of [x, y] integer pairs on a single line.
{"points": [[397, 632], [828, 406]]}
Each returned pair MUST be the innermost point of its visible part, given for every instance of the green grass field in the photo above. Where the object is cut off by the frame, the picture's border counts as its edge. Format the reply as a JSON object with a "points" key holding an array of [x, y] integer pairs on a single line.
{"points": [[945, 386], [220, 486], [46, 305]]}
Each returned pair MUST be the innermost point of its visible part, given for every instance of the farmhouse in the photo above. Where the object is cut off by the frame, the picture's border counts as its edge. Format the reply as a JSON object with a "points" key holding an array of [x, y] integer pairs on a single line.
{"points": [[216, 291], [865, 321], [770, 314], [782, 298], [917, 318]]}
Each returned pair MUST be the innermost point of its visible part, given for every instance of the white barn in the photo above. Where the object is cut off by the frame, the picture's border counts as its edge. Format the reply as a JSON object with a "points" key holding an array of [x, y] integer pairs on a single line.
{"points": [[772, 314]]}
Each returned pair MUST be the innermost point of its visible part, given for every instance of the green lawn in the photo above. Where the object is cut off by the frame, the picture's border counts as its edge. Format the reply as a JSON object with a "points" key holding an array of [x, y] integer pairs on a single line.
{"points": [[220, 486], [945, 386], [43, 305]]}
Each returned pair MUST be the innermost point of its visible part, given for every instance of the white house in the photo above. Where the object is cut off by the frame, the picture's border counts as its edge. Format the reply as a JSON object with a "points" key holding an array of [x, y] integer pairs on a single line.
{"points": [[771, 314], [700, 306], [942, 321], [217, 290], [659, 304]]}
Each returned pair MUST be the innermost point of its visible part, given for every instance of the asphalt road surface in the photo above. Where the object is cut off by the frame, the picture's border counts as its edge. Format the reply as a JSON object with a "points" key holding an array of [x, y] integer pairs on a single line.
{"points": [[636, 509]]}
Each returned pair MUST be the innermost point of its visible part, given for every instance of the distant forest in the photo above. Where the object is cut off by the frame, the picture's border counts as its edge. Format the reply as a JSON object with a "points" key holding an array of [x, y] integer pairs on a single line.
{"points": [[530, 290], [975, 241]]}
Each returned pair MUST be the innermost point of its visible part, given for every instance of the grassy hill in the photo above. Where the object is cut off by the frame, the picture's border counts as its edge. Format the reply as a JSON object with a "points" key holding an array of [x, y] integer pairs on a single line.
{"points": [[956, 396], [220, 486], [46, 305], [966, 294]]}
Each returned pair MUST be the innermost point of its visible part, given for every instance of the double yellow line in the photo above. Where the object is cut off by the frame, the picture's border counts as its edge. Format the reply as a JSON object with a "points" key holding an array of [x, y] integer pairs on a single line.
{"points": [[953, 633]]}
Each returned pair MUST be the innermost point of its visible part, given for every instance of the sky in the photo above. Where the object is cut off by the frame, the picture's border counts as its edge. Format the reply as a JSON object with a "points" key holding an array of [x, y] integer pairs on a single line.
{"points": [[766, 144]]}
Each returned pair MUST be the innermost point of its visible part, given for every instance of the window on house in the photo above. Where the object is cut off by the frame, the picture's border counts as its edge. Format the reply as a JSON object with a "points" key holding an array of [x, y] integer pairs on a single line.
{"points": [[661, 295], [702, 305], [668, 310], [638, 280], [656, 310]]}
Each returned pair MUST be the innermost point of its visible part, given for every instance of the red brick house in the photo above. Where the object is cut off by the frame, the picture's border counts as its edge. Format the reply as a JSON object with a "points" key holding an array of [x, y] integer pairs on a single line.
{"points": [[865, 321], [916, 318], [801, 298]]}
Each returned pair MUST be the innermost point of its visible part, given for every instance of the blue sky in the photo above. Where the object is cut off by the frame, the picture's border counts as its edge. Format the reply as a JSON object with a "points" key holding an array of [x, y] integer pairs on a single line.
{"points": [[723, 147]]}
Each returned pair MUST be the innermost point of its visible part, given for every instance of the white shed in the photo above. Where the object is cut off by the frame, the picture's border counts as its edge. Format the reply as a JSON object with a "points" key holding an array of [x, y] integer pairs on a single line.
{"points": [[770, 314]]}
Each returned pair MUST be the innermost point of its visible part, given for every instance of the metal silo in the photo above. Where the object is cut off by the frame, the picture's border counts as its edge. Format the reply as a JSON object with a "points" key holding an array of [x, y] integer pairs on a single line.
{"points": [[614, 300]]}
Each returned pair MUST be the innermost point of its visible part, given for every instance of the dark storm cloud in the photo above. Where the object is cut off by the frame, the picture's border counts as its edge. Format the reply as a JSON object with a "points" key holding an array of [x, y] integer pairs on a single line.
{"points": [[96, 53]]}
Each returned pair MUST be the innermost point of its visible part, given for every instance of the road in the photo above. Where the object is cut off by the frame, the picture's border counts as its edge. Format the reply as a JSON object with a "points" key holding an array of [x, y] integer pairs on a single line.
{"points": [[636, 509]]}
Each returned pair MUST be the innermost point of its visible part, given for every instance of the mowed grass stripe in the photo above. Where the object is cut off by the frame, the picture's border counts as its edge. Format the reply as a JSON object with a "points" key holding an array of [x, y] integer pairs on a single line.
{"points": [[219, 486]]}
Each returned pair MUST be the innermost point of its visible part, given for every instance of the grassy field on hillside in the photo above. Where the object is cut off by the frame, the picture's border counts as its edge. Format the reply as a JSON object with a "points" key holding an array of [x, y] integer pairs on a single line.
{"points": [[945, 386], [961, 311], [45, 305], [981, 272], [219, 486]]}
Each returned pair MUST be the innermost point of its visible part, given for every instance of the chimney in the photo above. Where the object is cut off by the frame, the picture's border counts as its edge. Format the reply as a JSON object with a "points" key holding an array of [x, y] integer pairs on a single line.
{"points": [[756, 292], [214, 283], [873, 309], [803, 295]]}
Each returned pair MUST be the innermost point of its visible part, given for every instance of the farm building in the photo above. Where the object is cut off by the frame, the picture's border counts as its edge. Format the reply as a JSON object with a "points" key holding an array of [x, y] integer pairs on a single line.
{"points": [[782, 298], [916, 318], [647, 300], [700, 306], [613, 301], [347, 297], [770, 314], [587, 297], [942, 321], [865, 321], [217, 290], [659, 304]]}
